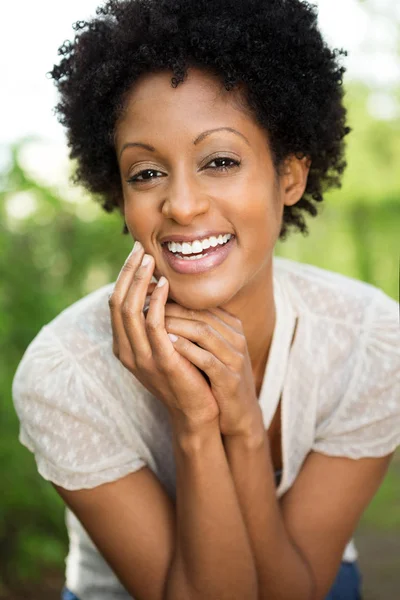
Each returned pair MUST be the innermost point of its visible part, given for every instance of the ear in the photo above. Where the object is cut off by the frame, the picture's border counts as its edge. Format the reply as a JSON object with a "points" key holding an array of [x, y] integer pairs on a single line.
{"points": [[294, 178]]}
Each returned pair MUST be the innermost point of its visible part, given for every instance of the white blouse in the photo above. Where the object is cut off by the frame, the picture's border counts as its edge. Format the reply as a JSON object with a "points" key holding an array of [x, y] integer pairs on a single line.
{"points": [[89, 421]]}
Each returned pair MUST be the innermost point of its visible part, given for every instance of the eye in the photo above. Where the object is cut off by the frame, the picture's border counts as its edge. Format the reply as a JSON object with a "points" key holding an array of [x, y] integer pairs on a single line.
{"points": [[223, 163], [144, 176]]}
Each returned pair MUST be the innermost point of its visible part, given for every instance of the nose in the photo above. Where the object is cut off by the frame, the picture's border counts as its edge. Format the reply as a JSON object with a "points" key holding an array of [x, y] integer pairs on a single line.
{"points": [[184, 200]]}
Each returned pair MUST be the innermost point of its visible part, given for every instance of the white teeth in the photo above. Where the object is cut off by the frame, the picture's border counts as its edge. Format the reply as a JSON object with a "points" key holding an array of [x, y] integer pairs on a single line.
{"points": [[193, 257], [197, 246], [186, 248], [213, 241]]}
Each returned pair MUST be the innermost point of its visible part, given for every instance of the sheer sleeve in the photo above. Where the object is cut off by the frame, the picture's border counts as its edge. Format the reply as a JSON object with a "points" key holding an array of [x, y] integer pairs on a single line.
{"points": [[76, 442], [366, 422]]}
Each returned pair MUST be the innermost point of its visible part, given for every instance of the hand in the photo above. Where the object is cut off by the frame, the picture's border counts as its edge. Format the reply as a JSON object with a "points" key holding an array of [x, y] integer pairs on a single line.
{"points": [[214, 341], [142, 344]]}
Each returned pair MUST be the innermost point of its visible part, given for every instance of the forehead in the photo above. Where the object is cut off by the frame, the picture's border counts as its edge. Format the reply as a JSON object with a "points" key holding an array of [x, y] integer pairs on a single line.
{"points": [[199, 102]]}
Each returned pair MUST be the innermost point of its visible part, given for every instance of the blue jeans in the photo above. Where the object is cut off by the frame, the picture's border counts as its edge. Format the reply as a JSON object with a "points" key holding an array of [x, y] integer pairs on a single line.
{"points": [[347, 585]]}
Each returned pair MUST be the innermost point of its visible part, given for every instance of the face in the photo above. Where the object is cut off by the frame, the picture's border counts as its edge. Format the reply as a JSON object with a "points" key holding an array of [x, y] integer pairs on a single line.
{"points": [[194, 166]]}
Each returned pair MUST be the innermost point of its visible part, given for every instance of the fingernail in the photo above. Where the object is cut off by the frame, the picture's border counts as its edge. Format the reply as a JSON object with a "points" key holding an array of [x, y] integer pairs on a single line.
{"points": [[172, 337], [137, 246], [162, 281], [146, 260]]}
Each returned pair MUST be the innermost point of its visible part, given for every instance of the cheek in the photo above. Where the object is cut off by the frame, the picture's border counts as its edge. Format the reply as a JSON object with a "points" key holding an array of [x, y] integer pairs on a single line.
{"points": [[260, 216], [259, 227], [139, 222]]}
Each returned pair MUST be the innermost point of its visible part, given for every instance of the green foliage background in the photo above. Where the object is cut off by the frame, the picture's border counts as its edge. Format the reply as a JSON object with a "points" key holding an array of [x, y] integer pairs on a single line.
{"points": [[63, 250]]}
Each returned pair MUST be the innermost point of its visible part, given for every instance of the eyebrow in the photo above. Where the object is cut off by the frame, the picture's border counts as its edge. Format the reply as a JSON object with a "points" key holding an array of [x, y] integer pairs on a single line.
{"points": [[201, 137], [196, 141]]}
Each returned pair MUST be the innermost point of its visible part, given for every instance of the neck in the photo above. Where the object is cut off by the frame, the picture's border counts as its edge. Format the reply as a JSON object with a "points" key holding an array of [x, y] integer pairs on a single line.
{"points": [[255, 307]]}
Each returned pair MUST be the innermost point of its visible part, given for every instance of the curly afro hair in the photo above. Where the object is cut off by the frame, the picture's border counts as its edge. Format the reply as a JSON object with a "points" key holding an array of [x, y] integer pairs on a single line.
{"points": [[272, 49]]}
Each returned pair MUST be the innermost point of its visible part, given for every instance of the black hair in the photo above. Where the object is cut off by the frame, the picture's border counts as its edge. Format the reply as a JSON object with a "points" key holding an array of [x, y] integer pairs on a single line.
{"points": [[273, 49]]}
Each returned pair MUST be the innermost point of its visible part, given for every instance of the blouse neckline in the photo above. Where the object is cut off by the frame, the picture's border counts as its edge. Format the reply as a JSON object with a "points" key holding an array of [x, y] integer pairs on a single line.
{"points": [[275, 369]]}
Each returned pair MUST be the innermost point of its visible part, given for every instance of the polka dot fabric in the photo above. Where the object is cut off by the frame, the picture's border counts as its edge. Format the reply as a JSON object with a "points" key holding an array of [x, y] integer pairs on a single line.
{"points": [[89, 421]]}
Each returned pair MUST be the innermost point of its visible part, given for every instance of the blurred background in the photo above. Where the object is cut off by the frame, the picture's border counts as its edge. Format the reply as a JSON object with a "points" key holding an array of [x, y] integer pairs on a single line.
{"points": [[56, 245]]}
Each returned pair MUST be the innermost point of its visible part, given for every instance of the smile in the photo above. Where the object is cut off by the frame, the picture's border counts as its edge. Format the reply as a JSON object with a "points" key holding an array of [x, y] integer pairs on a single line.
{"points": [[197, 246], [198, 257]]}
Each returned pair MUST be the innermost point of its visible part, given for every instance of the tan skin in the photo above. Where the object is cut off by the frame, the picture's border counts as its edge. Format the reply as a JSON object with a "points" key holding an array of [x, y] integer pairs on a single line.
{"points": [[220, 311], [188, 194], [193, 195]]}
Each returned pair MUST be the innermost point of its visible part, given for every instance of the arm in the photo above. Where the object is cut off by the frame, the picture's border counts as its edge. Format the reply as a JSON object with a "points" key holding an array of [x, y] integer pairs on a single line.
{"points": [[212, 557], [283, 572], [298, 542], [198, 549], [201, 549], [221, 352]]}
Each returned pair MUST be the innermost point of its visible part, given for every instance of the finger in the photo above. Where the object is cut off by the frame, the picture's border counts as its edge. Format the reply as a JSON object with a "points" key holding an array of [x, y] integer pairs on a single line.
{"points": [[132, 311], [117, 297], [203, 334], [202, 359], [235, 338], [150, 290], [161, 346], [228, 318]]}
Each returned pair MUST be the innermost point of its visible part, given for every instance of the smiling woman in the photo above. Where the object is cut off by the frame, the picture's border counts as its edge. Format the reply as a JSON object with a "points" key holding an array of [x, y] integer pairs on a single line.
{"points": [[200, 181], [218, 419]]}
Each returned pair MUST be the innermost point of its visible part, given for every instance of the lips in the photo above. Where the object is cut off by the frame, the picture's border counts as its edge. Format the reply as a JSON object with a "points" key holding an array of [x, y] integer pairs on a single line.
{"points": [[210, 258]]}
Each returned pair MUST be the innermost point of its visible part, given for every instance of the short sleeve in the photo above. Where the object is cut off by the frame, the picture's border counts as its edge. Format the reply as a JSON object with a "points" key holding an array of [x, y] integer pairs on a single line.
{"points": [[75, 441], [366, 422]]}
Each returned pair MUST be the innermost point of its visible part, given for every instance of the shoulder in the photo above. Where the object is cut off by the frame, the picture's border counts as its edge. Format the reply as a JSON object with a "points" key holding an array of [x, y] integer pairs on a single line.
{"points": [[72, 350], [67, 350], [85, 324], [72, 395], [339, 315], [67, 342], [345, 360], [324, 294]]}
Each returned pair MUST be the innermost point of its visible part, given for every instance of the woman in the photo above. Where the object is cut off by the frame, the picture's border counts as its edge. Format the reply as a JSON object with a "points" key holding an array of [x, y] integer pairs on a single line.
{"points": [[217, 435]]}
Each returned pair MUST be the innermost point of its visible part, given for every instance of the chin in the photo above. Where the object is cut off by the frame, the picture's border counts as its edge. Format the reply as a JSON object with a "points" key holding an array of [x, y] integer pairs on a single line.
{"points": [[200, 301]]}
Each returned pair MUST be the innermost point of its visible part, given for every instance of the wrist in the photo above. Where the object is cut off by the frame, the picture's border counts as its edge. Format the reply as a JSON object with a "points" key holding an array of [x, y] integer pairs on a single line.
{"points": [[251, 429], [191, 432]]}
